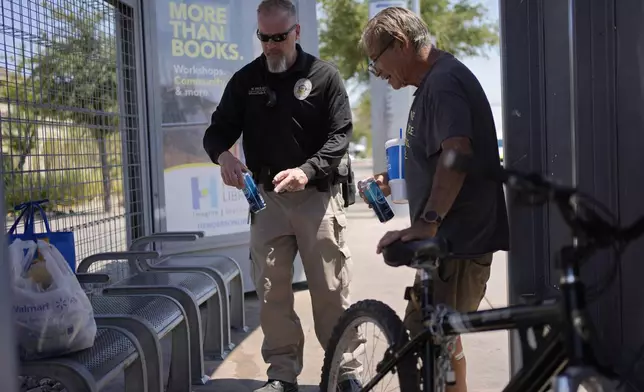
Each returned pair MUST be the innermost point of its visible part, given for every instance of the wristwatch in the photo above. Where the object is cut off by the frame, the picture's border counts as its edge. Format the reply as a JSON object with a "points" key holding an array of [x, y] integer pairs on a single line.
{"points": [[432, 217]]}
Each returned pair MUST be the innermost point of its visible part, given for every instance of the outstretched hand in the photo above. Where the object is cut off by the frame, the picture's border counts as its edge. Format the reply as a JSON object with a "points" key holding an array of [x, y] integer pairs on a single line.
{"points": [[290, 180]]}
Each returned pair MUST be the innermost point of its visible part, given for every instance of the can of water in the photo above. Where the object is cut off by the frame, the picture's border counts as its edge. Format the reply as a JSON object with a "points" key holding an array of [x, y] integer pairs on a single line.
{"points": [[255, 200], [376, 199]]}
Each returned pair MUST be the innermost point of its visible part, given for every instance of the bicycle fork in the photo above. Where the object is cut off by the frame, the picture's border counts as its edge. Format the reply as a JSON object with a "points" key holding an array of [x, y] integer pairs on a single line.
{"points": [[580, 372]]}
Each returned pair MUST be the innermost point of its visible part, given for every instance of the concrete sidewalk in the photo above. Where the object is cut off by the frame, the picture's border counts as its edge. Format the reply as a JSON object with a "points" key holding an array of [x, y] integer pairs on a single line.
{"points": [[487, 354]]}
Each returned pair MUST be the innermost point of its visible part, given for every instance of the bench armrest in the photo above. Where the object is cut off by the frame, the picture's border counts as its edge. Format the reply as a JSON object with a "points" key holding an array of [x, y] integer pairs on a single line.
{"points": [[158, 238], [131, 257], [199, 234], [92, 278]]}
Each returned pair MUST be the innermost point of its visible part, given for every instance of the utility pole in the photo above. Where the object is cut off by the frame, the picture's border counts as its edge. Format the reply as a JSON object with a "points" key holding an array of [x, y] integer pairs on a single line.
{"points": [[415, 6]]}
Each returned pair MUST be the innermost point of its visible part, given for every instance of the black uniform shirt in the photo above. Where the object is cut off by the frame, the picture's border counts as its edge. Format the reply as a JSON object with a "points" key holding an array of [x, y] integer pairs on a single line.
{"points": [[298, 118], [450, 102]]}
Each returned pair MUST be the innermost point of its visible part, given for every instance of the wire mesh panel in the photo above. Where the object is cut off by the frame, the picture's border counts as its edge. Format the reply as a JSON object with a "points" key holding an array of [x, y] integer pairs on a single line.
{"points": [[70, 119], [8, 362]]}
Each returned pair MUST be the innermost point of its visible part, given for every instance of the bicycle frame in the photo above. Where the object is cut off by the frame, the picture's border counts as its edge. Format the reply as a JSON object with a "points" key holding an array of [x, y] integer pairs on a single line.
{"points": [[547, 360], [564, 352]]}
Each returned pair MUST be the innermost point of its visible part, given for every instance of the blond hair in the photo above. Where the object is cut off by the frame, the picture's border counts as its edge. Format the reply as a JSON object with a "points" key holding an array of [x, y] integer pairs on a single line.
{"points": [[395, 23]]}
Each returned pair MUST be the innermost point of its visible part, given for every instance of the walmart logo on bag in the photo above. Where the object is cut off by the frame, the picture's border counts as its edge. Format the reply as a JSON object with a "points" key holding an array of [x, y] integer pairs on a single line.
{"points": [[31, 308], [211, 192]]}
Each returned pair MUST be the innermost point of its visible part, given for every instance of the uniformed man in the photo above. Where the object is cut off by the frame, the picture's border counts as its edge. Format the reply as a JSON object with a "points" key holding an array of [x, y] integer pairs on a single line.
{"points": [[450, 113], [293, 111]]}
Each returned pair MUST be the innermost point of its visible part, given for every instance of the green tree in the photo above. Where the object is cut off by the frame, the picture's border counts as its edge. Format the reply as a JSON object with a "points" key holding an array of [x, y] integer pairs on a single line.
{"points": [[75, 74], [362, 120], [458, 26], [19, 135]]}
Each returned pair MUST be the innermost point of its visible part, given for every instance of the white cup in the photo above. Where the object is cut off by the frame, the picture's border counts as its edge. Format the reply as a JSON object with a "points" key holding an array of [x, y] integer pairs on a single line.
{"points": [[395, 152]]}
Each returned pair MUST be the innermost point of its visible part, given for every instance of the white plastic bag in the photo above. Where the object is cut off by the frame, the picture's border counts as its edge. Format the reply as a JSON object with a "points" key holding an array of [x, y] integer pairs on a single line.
{"points": [[52, 312]]}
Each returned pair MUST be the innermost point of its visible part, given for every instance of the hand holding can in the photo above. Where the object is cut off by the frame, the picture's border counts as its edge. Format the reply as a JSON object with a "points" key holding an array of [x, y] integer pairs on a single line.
{"points": [[373, 195], [382, 181], [255, 200]]}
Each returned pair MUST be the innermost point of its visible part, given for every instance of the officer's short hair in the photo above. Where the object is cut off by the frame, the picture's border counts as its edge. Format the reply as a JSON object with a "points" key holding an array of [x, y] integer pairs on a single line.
{"points": [[277, 5], [394, 23]]}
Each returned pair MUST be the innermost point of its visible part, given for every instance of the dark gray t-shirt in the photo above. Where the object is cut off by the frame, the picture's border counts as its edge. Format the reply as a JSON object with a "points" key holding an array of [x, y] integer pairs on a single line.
{"points": [[451, 102]]}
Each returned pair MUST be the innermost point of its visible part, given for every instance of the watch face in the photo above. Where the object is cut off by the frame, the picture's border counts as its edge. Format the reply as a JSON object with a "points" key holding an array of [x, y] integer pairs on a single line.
{"points": [[432, 216]]}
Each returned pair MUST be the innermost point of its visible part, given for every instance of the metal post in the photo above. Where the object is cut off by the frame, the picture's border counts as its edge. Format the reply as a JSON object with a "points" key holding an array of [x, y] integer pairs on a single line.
{"points": [[572, 63], [389, 108], [415, 6], [8, 362]]}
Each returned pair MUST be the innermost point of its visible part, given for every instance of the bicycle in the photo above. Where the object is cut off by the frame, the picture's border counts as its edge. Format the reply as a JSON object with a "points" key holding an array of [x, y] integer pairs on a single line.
{"points": [[557, 332]]}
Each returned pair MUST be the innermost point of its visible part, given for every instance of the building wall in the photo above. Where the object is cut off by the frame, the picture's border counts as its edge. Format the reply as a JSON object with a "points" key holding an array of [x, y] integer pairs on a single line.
{"points": [[581, 122]]}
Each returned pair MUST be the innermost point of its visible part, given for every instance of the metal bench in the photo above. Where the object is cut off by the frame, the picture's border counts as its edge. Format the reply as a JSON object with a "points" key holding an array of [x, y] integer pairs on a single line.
{"points": [[115, 349], [225, 270], [189, 289], [158, 316], [147, 318]]}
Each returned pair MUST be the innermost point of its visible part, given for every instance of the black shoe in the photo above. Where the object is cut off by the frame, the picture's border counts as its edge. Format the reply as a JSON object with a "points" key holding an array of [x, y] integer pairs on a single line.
{"points": [[278, 386], [350, 385]]}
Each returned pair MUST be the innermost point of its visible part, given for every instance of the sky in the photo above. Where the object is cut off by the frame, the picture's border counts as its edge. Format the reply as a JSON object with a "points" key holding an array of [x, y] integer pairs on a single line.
{"points": [[488, 71]]}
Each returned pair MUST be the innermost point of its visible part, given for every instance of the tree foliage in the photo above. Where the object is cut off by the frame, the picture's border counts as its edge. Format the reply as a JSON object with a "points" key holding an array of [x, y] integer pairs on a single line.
{"points": [[19, 135], [77, 69], [362, 119], [458, 26], [75, 74]]}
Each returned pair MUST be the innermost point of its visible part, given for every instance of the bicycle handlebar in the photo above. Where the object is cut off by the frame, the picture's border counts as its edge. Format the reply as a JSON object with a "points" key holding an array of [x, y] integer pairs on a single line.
{"points": [[580, 212]]}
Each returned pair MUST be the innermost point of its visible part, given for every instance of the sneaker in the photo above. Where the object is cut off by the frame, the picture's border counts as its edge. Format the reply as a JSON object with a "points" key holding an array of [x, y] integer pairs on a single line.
{"points": [[350, 385], [277, 386]]}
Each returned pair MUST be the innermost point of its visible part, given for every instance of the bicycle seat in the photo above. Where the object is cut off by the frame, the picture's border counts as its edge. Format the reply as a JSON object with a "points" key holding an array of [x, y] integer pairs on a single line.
{"points": [[402, 254]]}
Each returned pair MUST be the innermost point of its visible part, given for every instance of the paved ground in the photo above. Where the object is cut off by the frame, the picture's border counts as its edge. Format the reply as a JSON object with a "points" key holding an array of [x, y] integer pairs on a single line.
{"points": [[244, 370]]}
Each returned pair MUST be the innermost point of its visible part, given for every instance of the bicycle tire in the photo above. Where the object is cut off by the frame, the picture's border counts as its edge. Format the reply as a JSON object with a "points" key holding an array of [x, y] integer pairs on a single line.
{"points": [[395, 332]]}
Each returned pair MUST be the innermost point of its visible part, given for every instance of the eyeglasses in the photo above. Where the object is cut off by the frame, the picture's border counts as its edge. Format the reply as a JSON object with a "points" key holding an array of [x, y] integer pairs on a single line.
{"points": [[372, 64], [275, 37]]}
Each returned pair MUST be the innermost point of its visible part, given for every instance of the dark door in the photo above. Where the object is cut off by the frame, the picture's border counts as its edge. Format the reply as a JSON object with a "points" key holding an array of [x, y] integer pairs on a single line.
{"points": [[583, 127]]}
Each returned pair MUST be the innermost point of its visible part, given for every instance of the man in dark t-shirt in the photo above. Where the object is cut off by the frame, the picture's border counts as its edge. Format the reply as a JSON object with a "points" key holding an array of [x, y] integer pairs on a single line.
{"points": [[450, 113]]}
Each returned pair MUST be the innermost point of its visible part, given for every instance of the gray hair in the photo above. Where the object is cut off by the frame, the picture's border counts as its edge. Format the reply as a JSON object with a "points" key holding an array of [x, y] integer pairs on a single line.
{"points": [[277, 5], [395, 23]]}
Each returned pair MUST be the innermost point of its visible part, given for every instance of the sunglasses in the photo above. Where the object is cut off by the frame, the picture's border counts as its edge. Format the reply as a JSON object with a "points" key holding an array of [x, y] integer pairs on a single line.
{"points": [[372, 63], [275, 37]]}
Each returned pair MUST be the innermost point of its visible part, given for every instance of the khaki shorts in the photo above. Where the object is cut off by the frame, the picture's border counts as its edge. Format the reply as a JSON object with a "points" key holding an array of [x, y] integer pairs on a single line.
{"points": [[459, 284]]}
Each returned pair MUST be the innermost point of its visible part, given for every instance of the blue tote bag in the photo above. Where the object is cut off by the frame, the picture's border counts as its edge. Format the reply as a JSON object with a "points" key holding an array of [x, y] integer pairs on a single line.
{"points": [[63, 241]]}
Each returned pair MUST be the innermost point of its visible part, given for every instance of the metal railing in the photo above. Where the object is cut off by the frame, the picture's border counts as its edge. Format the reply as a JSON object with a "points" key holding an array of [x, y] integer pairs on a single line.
{"points": [[8, 362]]}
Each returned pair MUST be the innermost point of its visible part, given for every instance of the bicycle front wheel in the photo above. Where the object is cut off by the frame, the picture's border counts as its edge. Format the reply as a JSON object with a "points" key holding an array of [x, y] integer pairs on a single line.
{"points": [[344, 360]]}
